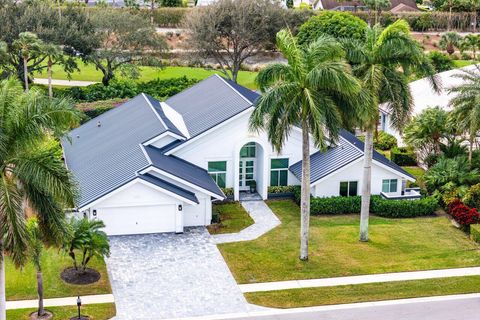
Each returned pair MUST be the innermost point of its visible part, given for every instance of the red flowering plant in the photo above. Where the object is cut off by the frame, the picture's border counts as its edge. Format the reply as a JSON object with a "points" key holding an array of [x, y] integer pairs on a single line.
{"points": [[463, 214]]}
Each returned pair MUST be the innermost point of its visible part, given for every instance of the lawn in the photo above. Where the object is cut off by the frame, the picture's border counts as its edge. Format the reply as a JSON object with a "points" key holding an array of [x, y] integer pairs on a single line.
{"points": [[462, 63], [395, 245], [307, 297], [233, 218], [103, 311], [21, 284], [89, 73], [417, 172]]}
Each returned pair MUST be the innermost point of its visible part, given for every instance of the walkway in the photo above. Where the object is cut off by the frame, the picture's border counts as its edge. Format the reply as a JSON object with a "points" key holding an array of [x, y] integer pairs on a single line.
{"points": [[374, 278], [65, 83], [60, 302], [265, 220]]}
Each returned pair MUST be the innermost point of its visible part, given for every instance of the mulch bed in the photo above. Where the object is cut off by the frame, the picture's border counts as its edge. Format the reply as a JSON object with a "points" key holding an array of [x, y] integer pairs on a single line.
{"points": [[72, 276], [48, 315]]}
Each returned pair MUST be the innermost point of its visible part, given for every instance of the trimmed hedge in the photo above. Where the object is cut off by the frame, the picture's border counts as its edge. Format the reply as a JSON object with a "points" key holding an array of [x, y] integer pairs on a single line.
{"points": [[475, 232], [403, 157], [281, 189]]}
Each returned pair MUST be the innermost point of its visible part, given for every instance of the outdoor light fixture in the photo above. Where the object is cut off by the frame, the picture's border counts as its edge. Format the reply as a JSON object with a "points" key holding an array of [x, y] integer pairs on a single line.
{"points": [[180, 208], [79, 304], [94, 213]]}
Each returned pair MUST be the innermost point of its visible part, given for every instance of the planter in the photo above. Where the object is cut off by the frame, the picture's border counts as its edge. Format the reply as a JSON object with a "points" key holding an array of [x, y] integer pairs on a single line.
{"points": [[281, 195]]}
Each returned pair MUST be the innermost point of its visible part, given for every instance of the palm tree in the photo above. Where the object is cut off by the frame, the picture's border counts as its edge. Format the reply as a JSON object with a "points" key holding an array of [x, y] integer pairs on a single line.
{"points": [[449, 41], [53, 53], [27, 45], [30, 174], [35, 248], [315, 91], [383, 61], [471, 42], [466, 105]]}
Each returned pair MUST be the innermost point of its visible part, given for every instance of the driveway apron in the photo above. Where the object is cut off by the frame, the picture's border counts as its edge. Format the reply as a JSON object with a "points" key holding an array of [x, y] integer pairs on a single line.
{"points": [[160, 276]]}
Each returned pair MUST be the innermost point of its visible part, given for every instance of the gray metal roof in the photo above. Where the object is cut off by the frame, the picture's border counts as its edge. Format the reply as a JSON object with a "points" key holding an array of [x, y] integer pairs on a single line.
{"points": [[170, 126], [183, 170], [348, 149], [208, 103], [169, 187]]}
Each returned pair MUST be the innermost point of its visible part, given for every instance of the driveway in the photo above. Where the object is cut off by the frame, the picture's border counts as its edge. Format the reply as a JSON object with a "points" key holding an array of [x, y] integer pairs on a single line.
{"points": [[161, 276]]}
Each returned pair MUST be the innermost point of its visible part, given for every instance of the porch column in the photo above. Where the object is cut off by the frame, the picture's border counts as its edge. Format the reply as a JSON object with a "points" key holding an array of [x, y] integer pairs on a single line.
{"points": [[236, 179]]}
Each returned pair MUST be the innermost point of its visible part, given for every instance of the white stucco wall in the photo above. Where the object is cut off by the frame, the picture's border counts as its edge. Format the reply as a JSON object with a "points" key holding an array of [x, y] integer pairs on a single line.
{"points": [[330, 186]]}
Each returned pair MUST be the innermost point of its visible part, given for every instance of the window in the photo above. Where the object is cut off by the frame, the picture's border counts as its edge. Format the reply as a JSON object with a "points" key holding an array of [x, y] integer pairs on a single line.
{"points": [[248, 150], [279, 172], [389, 185], [218, 172], [348, 188]]}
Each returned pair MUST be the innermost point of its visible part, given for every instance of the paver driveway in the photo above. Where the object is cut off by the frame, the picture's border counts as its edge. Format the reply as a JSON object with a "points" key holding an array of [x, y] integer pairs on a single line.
{"points": [[171, 275]]}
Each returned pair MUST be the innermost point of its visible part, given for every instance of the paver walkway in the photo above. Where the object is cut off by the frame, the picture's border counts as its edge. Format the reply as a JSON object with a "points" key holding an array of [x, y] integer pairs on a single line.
{"points": [[66, 83], [339, 281], [160, 276], [60, 302], [265, 220]]}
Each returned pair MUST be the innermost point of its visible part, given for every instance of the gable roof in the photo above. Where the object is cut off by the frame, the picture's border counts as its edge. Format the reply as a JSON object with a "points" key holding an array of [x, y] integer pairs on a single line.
{"points": [[169, 187], [166, 121], [348, 149]]}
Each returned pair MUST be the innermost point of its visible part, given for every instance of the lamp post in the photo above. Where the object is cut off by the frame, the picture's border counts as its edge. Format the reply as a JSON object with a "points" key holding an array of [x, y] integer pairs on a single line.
{"points": [[79, 304]]}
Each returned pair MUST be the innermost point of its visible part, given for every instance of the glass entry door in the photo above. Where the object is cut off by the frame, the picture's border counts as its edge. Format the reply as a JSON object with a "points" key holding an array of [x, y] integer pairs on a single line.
{"points": [[246, 173]]}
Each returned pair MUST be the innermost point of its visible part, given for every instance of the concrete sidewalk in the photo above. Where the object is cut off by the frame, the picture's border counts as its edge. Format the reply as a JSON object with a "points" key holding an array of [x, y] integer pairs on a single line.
{"points": [[60, 302], [374, 278], [65, 83]]}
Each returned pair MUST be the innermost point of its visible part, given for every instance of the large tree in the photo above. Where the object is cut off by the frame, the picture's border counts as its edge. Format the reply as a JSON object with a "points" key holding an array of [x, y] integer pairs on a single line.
{"points": [[315, 91], [126, 40], [31, 176], [27, 46], [231, 31], [384, 61]]}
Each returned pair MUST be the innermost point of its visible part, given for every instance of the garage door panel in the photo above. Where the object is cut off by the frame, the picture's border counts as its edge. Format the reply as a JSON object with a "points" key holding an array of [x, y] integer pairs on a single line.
{"points": [[138, 219]]}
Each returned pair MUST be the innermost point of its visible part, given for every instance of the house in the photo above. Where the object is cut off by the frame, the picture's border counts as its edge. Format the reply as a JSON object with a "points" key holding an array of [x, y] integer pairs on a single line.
{"points": [[148, 166]]}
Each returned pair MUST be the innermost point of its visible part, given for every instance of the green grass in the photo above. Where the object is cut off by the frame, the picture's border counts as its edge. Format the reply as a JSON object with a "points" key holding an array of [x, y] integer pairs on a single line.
{"points": [[102, 311], [21, 284], [395, 245], [307, 297], [89, 73], [417, 172], [462, 63], [233, 218]]}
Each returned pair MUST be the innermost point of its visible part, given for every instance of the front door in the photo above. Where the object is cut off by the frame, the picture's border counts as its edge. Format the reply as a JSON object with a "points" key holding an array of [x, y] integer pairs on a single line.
{"points": [[246, 173]]}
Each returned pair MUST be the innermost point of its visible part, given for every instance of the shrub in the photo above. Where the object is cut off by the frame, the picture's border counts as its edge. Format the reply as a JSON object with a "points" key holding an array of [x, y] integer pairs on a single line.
{"points": [[403, 157], [472, 197], [475, 232], [335, 205], [94, 109], [403, 208], [441, 62], [281, 189], [335, 23], [227, 191], [385, 141], [463, 214], [449, 174], [167, 17]]}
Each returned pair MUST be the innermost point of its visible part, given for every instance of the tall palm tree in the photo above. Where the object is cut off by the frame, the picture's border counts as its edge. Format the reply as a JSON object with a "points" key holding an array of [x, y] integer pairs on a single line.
{"points": [[383, 61], [466, 105], [27, 45], [30, 174], [53, 53], [315, 91], [35, 249]]}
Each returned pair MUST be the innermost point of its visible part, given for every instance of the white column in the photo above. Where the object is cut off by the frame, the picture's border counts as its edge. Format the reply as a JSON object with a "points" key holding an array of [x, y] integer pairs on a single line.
{"points": [[236, 179]]}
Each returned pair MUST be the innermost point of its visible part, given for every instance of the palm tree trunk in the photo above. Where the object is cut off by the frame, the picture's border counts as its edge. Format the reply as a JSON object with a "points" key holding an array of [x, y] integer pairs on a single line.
{"points": [[366, 185], [49, 72], [41, 310], [3, 299], [152, 8], [470, 150], [305, 197], [25, 73]]}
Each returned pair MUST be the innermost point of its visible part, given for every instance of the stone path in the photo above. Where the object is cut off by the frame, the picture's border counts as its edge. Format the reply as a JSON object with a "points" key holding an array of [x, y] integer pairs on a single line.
{"points": [[159, 276], [65, 83], [374, 278], [265, 220], [60, 302]]}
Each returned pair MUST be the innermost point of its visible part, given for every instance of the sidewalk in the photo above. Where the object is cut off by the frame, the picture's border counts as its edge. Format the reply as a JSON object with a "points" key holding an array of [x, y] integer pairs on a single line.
{"points": [[65, 83], [374, 278], [60, 302]]}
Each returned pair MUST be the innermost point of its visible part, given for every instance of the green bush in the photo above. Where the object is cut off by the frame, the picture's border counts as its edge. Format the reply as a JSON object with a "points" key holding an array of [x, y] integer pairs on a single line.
{"points": [[441, 61], [281, 189], [472, 197], [385, 141], [335, 23], [403, 157], [403, 208], [167, 17], [227, 191], [475, 232]]}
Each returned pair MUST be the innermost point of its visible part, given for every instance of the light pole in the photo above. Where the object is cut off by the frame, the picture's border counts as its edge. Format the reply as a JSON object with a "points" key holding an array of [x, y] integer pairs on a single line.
{"points": [[79, 304]]}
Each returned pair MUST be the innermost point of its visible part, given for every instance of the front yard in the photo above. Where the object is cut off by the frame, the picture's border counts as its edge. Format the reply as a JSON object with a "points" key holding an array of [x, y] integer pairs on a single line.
{"points": [[233, 218], [94, 311], [396, 245]]}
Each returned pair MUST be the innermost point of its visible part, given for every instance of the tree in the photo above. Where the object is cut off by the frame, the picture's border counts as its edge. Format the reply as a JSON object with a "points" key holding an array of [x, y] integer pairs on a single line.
{"points": [[466, 106], [376, 6], [89, 239], [126, 40], [53, 53], [315, 91], [35, 249], [289, 4], [30, 173], [449, 41], [231, 31], [383, 62], [27, 45], [448, 174], [171, 3], [470, 42]]}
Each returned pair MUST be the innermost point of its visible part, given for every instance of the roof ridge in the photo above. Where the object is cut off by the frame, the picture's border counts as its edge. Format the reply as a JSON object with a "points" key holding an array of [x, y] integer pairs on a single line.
{"points": [[154, 111], [231, 87]]}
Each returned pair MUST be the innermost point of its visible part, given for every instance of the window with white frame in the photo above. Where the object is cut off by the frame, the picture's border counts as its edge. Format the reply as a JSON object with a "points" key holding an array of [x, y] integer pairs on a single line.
{"points": [[389, 185], [348, 188], [248, 150], [279, 172], [218, 172]]}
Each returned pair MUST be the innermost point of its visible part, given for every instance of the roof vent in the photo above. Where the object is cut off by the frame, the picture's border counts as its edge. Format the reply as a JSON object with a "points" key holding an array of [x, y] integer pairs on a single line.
{"points": [[99, 124]]}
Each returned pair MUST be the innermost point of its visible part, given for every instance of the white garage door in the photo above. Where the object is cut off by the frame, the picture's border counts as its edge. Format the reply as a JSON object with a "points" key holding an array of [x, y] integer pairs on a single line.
{"points": [[138, 219]]}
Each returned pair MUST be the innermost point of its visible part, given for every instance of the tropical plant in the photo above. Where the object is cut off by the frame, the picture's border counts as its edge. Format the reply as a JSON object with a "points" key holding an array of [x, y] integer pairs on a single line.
{"points": [[384, 62], [466, 107], [449, 41], [377, 6], [35, 250], [315, 91], [471, 42], [448, 174], [30, 173], [27, 45], [88, 239], [53, 54], [441, 61], [472, 197]]}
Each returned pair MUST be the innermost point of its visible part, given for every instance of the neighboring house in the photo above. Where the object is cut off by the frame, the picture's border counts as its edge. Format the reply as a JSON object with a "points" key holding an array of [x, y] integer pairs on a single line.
{"points": [[149, 166]]}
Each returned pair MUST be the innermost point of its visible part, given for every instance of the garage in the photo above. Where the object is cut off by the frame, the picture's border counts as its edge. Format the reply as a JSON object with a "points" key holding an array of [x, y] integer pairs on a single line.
{"points": [[137, 219]]}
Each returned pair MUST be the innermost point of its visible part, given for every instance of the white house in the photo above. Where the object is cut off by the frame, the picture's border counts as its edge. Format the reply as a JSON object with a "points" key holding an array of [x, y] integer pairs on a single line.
{"points": [[149, 166]]}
